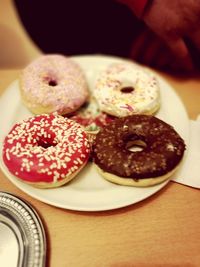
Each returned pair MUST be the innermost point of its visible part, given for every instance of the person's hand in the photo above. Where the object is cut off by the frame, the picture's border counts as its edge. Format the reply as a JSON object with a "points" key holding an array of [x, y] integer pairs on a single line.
{"points": [[149, 49], [175, 22]]}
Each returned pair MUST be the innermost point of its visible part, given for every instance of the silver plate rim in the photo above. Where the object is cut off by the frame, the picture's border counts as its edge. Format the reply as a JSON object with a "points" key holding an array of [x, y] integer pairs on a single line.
{"points": [[26, 224]]}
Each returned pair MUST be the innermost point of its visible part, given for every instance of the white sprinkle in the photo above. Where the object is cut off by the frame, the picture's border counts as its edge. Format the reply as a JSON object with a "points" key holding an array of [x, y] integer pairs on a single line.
{"points": [[7, 154]]}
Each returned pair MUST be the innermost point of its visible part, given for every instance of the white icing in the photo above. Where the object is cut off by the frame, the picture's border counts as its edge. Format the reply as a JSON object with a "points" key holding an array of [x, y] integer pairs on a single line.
{"points": [[143, 99]]}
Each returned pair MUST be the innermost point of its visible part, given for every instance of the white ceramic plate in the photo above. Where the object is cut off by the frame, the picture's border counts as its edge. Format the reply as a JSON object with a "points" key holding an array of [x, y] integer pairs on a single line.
{"points": [[89, 191]]}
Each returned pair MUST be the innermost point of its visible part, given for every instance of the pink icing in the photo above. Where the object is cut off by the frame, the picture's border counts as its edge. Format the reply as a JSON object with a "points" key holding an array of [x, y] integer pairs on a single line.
{"points": [[54, 81]]}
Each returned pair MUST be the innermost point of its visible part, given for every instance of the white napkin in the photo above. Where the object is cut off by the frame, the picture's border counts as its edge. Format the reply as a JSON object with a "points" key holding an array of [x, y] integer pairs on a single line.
{"points": [[189, 173]]}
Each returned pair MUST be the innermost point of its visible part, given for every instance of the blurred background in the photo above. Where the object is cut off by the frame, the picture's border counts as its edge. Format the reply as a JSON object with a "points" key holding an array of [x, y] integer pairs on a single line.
{"points": [[28, 28], [16, 47], [76, 27]]}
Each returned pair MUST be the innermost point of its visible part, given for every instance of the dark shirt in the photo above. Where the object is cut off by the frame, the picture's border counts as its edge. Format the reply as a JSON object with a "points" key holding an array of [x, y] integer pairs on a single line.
{"points": [[79, 26]]}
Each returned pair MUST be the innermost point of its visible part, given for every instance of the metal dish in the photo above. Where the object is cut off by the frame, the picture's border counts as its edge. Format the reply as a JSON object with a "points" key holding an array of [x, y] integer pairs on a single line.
{"points": [[22, 236]]}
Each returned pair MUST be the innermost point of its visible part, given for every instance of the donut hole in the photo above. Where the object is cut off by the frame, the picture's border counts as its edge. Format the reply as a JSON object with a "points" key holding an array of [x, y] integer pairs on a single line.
{"points": [[127, 89], [45, 143], [136, 145], [52, 82]]}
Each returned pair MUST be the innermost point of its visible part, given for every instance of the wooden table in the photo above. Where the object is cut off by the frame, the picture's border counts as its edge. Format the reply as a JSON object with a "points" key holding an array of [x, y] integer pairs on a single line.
{"points": [[163, 230]]}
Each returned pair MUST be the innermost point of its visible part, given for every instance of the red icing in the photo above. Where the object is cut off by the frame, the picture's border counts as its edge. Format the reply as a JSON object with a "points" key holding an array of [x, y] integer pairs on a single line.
{"points": [[100, 120], [45, 148]]}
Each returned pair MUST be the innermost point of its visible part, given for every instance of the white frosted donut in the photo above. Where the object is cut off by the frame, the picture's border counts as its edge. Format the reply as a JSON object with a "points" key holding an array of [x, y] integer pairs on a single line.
{"points": [[53, 83], [126, 89]]}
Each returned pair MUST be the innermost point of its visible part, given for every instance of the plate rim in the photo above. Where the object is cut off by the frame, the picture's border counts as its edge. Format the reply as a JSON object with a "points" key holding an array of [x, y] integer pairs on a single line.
{"points": [[20, 213]]}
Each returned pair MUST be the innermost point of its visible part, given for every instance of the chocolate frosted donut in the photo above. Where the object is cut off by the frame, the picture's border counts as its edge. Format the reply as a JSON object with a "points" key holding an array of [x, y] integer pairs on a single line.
{"points": [[138, 150]]}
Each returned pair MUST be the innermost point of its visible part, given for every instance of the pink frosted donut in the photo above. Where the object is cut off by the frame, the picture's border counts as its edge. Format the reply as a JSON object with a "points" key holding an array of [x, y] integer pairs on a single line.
{"points": [[53, 83], [46, 150]]}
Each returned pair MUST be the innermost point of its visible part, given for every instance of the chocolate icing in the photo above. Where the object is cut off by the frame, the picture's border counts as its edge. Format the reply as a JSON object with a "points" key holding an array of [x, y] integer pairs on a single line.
{"points": [[161, 151]]}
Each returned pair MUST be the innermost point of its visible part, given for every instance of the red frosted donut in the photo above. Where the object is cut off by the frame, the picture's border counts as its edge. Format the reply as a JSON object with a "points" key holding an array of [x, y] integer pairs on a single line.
{"points": [[46, 150], [138, 150], [91, 117]]}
